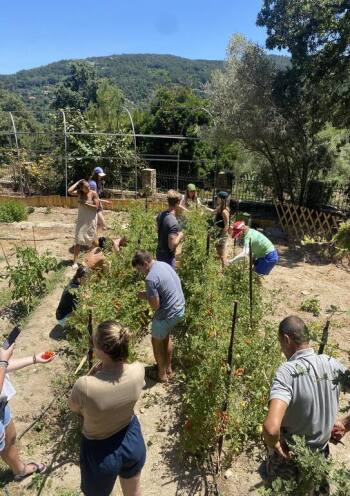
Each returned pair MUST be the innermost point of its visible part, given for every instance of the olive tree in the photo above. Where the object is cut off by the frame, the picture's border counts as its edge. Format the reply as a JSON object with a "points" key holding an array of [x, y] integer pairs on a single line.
{"points": [[261, 106]]}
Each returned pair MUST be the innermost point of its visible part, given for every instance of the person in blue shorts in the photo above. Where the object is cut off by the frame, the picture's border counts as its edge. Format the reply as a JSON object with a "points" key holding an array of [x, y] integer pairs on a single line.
{"points": [[264, 253], [165, 296], [112, 444]]}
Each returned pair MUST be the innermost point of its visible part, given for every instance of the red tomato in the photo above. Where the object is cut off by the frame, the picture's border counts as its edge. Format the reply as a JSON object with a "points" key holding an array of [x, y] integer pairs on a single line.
{"points": [[47, 354]]}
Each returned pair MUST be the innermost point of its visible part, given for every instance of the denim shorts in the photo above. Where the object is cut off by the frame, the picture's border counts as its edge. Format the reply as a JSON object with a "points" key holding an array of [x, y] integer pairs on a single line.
{"points": [[162, 328], [102, 460], [5, 419], [265, 264]]}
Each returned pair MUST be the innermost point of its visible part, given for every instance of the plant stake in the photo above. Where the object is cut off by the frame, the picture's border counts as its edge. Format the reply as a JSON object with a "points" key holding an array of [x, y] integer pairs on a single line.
{"points": [[34, 239], [3, 251], [208, 244], [90, 351], [229, 375], [250, 282]]}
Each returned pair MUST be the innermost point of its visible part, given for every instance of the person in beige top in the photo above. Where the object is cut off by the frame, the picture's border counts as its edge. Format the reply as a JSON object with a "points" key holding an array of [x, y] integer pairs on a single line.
{"points": [[112, 443]]}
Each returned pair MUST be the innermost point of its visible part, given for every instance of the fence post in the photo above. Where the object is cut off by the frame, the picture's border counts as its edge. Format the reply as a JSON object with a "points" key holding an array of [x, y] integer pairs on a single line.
{"points": [[135, 145], [18, 153]]}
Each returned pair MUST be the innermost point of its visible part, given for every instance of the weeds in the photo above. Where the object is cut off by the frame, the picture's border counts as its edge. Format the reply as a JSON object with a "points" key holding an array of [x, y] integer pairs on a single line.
{"points": [[311, 305]]}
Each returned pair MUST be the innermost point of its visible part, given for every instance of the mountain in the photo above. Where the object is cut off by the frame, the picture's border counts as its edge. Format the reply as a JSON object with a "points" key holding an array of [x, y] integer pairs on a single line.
{"points": [[137, 76]]}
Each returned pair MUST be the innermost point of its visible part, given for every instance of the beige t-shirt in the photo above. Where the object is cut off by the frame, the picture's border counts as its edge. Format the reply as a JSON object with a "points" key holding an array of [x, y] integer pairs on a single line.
{"points": [[107, 399]]}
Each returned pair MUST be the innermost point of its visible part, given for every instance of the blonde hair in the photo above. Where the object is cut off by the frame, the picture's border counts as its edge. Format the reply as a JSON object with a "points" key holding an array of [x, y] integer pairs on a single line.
{"points": [[113, 339], [173, 197]]}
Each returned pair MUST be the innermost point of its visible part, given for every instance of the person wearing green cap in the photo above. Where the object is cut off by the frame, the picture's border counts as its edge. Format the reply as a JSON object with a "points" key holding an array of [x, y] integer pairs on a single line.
{"points": [[221, 223], [190, 198]]}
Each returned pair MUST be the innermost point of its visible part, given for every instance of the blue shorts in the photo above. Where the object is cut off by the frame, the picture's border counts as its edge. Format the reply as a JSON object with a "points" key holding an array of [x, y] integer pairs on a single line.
{"points": [[265, 264], [162, 328], [102, 460], [5, 419]]}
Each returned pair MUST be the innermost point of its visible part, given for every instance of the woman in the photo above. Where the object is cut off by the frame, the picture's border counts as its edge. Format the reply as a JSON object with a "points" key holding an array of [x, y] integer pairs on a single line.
{"points": [[95, 183], [221, 222], [190, 198], [86, 226], [8, 449], [69, 298], [112, 442], [96, 257]]}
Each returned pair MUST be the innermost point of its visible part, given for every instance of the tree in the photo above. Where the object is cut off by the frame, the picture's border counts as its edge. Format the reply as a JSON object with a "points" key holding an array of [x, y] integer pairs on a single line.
{"points": [[79, 89], [317, 34], [108, 110], [262, 107]]}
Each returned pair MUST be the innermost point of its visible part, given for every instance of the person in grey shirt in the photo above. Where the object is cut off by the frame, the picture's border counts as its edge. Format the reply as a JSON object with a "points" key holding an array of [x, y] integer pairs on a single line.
{"points": [[169, 235], [304, 397], [165, 296]]}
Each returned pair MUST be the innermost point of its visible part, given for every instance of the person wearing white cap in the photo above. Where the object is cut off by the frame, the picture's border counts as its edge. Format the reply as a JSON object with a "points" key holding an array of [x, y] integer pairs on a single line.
{"points": [[264, 253], [95, 183]]}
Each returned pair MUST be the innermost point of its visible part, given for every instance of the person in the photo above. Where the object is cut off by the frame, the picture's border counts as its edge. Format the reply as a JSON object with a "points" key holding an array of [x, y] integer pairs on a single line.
{"points": [[221, 223], [303, 399], [69, 298], [112, 444], [264, 253], [8, 450], [86, 228], [96, 257], [190, 198], [169, 235], [96, 184], [164, 295]]}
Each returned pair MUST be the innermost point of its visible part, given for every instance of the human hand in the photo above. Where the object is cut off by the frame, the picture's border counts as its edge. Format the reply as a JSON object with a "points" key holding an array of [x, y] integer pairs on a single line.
{"points": [[5, 355], [43, 357], [338, 431], [282, 451]]}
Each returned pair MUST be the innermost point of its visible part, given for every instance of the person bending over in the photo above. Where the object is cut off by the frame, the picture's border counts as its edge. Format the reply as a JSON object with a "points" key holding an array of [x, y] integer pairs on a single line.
{"points": [[112, 444], [69, 298], [8, 449], [164, 295], [96, 257], [264, 253], [169, 235], [303, 399]]}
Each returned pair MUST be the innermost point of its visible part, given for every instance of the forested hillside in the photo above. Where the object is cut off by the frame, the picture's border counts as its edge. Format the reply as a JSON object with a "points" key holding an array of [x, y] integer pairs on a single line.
{"points": [[136, 75]]}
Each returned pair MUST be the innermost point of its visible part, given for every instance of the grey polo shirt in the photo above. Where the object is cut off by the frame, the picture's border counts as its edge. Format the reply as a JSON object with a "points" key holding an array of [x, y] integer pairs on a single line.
{"points": [[304, 382]]}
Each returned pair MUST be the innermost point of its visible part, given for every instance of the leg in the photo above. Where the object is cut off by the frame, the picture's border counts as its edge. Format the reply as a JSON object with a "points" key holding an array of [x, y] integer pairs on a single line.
{"points": [[160, 357], [168, 351], [10, 453], [132, 486], [76, 253]]}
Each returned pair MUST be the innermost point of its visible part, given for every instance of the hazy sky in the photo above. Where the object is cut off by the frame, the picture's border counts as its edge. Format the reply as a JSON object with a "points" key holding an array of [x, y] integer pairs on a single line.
{"points": [[36, 32]]}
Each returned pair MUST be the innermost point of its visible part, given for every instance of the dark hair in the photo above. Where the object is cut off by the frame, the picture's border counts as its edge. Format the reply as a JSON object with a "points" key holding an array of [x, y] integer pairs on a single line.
{"points": [[80, 274], [95, 177], [294, 327], [140, 257], [113, 339]]}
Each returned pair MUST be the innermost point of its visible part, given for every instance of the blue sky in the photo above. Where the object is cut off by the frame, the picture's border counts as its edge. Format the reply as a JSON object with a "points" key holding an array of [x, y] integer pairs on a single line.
{"points": [[36, 32]]}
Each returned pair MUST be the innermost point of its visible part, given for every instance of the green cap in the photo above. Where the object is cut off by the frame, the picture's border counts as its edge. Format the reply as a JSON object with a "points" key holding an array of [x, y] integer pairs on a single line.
{"points": [[191, 187]]}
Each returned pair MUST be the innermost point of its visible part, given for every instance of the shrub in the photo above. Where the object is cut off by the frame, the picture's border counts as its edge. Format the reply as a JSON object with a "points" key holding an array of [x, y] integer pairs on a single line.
{"points": [[13, 212], [311, 305], [342, 238], [27, 278]]}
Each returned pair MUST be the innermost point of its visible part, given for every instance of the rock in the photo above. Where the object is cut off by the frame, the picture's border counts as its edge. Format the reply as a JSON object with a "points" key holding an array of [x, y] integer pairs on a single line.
{"points": [[228, 474]]}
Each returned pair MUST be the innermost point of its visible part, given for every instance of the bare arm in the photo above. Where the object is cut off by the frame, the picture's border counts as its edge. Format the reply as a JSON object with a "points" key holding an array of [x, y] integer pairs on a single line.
{"points": [[226, 218], [154, 302], [174, 240], [20, 363], [93, 202], [272, 426], [72, 190], [5, 356], [73, 406], [244, 253]]}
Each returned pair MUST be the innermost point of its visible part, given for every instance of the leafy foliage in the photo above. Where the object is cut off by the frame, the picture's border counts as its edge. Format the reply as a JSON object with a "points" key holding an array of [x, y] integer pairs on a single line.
{"points": [[13, 212], [342, 238], [311, 305], [27, 278]]}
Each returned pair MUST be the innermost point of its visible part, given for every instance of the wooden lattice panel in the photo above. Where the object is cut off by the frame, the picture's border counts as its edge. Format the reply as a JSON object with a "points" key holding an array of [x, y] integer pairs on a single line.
{"points": [[298, 222]]}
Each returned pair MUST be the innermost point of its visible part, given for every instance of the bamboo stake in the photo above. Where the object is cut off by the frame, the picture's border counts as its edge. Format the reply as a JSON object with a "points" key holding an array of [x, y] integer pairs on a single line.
{"points": [[229, 375], [3, 251], [250, 283], [90, 352], [34, 239]]}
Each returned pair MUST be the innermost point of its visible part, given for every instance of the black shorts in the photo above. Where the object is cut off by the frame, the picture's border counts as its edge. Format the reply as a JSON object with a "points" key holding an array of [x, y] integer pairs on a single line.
{"points": [[101, 461]]}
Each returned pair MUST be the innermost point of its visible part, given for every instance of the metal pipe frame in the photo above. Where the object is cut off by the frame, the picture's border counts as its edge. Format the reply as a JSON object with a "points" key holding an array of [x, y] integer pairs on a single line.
{"points": [[135, 144], [18, 152], [65, 149]]}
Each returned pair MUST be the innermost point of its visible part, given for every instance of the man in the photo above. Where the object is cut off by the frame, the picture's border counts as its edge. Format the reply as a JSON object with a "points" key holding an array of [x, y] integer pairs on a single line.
{"points": [[169, 236], [264, 253], [303, 399], [165, 296]]}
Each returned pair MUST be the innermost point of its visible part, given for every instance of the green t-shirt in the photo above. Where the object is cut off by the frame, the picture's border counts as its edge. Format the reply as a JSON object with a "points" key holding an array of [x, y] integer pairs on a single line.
{"points": [[261, 245]]}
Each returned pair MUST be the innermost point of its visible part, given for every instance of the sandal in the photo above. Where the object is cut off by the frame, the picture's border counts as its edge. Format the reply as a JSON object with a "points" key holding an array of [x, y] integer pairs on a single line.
{"points": [[39, 469]]}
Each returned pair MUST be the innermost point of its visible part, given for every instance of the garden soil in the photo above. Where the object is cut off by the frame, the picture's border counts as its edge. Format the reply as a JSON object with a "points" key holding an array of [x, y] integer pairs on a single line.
{"points": [[166, 471]]}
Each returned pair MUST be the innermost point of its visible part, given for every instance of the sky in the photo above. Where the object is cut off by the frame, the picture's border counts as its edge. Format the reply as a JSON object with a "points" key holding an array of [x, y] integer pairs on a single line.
{"points": [[37, 32]]}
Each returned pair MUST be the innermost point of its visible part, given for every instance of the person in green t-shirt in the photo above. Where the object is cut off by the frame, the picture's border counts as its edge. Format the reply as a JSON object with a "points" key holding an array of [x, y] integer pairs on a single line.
{"points": [[264, 253]]}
